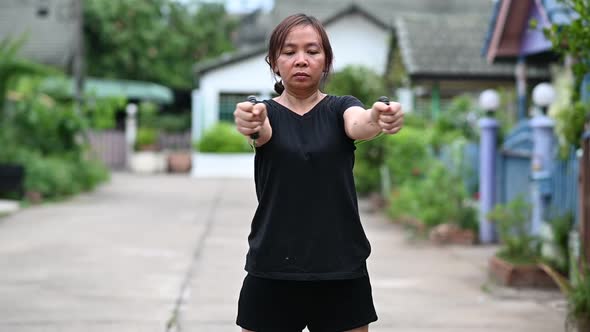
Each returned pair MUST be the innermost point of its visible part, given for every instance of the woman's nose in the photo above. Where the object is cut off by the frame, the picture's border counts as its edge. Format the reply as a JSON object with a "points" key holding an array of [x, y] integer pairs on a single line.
{"points": [[301, 59]]}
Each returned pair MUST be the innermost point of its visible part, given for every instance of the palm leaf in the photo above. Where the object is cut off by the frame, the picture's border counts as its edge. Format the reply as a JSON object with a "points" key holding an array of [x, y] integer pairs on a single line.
{"points": [[564, 285]]}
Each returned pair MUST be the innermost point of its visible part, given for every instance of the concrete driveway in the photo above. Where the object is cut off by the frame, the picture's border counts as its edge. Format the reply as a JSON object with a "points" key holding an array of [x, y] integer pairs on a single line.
{"points": [[166, 253]]}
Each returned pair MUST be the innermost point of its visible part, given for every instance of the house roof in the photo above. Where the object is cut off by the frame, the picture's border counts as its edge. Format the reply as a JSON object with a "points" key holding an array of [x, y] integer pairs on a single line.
{"points": [[448, 46], [508, 36], [384, 10], [435, 41]]}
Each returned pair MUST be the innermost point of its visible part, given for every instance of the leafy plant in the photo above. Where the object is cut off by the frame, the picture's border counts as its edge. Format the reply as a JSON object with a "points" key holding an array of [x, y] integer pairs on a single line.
{"points": [[223, 138], [358, 81], [146, 138], [101, 111], [40, 122], [570, 123], [577, 293], [517, 244], [407, 155], [425, 200], [560, 231], [574, 39], [174, 123], [12, 66]]}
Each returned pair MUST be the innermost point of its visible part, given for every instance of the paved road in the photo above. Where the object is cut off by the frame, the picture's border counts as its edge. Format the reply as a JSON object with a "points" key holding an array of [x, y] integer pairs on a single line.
{"points": [[144, 252]]}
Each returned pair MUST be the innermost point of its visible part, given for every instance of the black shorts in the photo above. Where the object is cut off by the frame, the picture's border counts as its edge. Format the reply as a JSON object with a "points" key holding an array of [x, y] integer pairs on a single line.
{"points": [[268, 305]]}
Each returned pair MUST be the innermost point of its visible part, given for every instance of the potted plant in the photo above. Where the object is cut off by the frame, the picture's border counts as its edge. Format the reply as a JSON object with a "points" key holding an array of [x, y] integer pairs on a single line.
{"points": [[147, 157], [515, 263], [175, 140], [577, 293], [223, 152]]}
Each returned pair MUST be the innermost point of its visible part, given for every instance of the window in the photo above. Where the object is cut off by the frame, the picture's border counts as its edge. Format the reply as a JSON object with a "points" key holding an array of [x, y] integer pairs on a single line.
{"points": [[227, 104]]}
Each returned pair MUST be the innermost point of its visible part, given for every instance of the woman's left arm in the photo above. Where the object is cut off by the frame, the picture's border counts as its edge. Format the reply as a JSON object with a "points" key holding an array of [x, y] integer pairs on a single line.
{"points": [[361, 124]]}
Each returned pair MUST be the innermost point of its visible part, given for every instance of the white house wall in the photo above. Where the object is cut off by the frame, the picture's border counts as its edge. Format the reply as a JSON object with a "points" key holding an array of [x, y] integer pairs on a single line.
{"points": [[249, 76], [354, 39], [357, 41]]}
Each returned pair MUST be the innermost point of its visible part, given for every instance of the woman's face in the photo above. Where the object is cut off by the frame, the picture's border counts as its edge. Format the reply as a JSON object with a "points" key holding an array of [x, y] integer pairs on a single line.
{"points": [[301, 61]]}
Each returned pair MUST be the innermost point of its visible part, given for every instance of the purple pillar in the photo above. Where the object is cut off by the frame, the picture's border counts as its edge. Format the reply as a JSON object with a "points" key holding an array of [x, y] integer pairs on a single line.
{"points": [[487, 177]]}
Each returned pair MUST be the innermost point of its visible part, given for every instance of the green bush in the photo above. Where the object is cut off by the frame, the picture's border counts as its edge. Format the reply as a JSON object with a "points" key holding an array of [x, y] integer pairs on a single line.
{"points": [[47, 136], [358, 81], [437, 198], [174, 123], [223, 138], [407, 155], [56, 176], [570, 125], [146, 137], [517, 244], [369, 156]]}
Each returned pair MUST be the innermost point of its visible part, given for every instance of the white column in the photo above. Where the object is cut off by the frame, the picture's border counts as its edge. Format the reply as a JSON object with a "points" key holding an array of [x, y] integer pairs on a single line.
{"points": [[197, 116]]}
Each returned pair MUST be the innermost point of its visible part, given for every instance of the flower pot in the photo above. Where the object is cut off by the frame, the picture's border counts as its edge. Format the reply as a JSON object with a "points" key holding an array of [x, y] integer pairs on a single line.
{"points": [[179, 162], [148, 162], [513, 275], [451, 234]]}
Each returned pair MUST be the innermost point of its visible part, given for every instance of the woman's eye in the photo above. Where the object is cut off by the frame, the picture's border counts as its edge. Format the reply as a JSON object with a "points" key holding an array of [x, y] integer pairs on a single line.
{"points": [[313, 51], [288, 52]]}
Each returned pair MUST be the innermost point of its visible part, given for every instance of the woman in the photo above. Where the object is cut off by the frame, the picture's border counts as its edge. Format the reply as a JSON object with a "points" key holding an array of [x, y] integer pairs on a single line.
{"points": [[307, 258]]}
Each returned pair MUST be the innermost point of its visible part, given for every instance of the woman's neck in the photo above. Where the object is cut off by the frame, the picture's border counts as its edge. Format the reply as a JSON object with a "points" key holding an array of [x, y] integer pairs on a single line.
{"points": [[300, 102]]}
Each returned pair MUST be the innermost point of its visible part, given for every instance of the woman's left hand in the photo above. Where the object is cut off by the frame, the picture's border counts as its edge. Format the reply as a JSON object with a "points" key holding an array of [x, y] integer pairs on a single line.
{"points": [[389, 117]]}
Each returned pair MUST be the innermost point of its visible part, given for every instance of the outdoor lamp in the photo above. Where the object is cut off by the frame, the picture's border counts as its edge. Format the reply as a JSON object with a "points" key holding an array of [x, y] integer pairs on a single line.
{"points": [[543, 96], [489, 101]]}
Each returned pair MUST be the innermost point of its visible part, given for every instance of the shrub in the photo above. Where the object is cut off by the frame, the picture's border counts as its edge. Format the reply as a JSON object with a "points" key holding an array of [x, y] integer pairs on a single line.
{"points": [[437, 198], [358, 81], [146, 137], [517, 244], [174, 123], [223, 138], [407, 155]]}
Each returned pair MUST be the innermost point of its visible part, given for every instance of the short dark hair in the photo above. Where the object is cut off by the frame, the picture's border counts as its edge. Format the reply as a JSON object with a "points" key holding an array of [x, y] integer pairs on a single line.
{"points": [[280, 32]]}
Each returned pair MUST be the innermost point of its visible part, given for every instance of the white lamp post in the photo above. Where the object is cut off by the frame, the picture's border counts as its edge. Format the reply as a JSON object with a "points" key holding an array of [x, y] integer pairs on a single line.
{"points": [[543, 155]]}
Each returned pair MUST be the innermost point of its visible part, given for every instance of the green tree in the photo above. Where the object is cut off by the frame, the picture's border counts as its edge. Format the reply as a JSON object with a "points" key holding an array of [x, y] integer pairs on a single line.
{"points": [[574, 39], [153, 40], [12, 66]]}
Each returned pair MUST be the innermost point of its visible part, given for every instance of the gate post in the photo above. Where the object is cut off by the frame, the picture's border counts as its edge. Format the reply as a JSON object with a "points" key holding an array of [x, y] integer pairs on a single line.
{"points": [[543, 155], [130, 132], [585, 194], [489, 102]]}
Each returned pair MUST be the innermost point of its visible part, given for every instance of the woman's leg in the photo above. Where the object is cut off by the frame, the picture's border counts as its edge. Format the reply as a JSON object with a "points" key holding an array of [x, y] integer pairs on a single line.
{"points": [[360, 329]]}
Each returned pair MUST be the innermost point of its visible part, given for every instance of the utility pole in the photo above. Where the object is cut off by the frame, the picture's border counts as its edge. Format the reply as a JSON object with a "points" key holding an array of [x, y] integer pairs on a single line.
{"points": [[78, 66]]}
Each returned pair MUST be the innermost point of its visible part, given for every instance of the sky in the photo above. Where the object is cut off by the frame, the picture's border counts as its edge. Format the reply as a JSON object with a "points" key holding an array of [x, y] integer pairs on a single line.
{"points": [[239, 6]]}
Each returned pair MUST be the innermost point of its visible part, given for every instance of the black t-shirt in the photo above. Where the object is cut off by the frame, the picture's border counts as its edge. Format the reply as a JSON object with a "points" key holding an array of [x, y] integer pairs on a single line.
{"points": [[307, 224]]}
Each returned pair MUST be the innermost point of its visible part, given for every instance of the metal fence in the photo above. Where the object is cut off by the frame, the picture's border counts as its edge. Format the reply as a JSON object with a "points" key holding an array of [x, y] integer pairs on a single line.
{"points": [[565, 187], [109, 146], [175, 141]]}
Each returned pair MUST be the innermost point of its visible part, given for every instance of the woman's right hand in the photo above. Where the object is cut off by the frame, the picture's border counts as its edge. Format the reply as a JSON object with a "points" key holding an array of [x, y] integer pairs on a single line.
{"points": [[250, 117]]}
